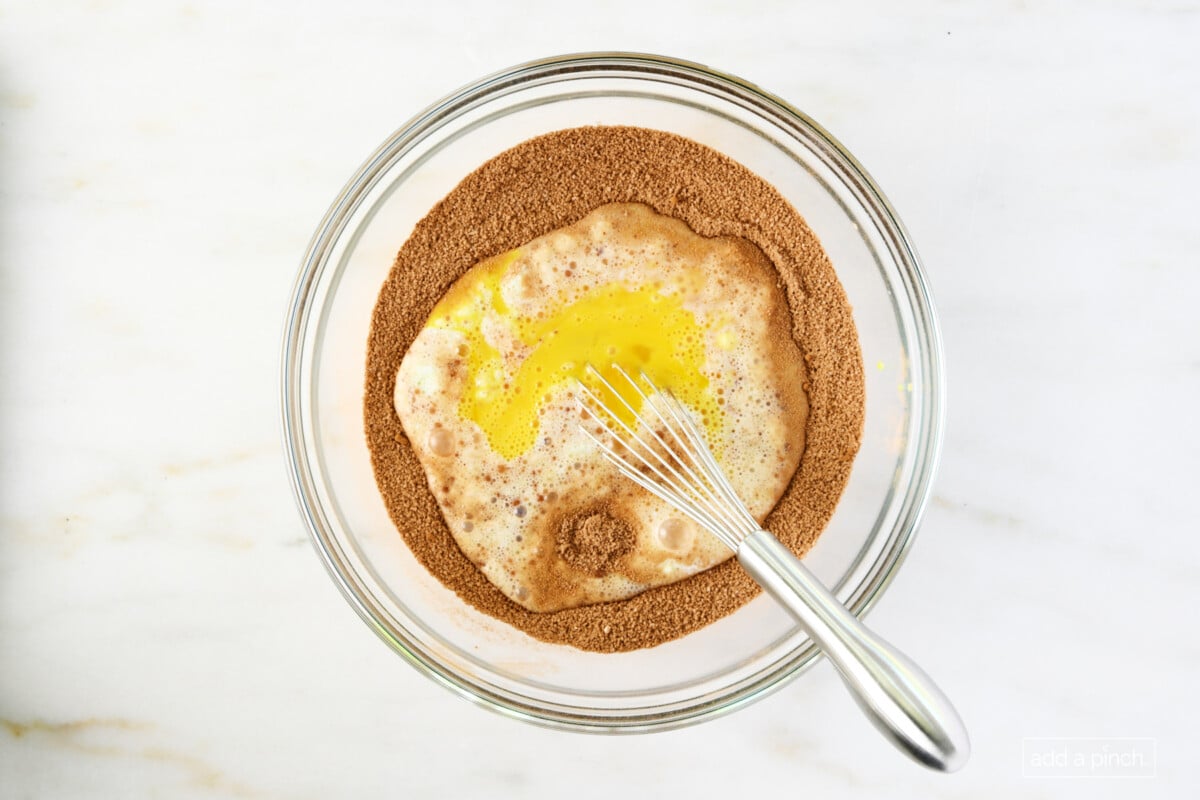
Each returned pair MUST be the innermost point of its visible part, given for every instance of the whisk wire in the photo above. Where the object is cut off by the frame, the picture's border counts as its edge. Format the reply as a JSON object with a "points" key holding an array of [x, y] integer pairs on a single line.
{"points": [[631, 431], [666, 489], [704, 495], [700, 488], [627, 444], [708, 462], [667, 495], [695, 453]]}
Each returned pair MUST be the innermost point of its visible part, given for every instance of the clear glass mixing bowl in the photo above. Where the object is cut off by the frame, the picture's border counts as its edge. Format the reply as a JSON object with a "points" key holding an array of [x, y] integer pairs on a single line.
{"points": [[739, 658]]}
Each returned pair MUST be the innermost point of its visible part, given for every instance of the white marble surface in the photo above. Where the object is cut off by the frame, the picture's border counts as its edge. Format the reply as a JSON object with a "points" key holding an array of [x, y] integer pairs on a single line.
{"points": [[167, 631]]}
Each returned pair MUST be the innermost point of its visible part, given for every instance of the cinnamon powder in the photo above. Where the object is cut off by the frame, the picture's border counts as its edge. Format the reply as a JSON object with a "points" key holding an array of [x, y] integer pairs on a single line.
{"points": [[552, 181], [594, 540]]}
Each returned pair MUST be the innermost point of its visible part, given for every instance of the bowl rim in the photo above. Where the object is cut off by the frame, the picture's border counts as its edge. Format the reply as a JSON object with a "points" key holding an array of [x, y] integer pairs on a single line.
{"points": [[929, 428]]}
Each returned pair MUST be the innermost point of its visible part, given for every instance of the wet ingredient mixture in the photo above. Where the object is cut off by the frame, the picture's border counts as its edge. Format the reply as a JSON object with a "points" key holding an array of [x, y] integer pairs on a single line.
{"points": [[487, 396]]}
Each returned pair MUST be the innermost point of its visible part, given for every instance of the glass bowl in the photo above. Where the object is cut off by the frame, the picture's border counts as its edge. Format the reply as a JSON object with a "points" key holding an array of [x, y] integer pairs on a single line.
{"points": [[739, 658]]}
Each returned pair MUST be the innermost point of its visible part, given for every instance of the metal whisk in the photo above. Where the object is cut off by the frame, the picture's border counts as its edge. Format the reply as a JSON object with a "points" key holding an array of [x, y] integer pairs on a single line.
{"points": [[677, 466]]}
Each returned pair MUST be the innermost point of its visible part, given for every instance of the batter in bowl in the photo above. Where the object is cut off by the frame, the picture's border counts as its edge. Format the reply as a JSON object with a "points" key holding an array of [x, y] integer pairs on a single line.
{"points": [[486, 395], [587, 550]]}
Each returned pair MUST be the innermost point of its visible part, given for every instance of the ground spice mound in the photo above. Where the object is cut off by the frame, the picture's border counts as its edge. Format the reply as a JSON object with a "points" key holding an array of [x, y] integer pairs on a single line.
{"points": [[594, 540], [552, 181]]}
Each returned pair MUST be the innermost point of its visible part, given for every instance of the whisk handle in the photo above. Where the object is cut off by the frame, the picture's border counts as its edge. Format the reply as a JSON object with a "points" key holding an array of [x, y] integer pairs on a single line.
{"points": [[899, 698]]}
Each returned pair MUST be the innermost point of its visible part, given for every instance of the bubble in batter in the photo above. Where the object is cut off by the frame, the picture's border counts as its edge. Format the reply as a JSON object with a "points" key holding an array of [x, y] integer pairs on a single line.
{"points": [[441, 442], [676, 533]]}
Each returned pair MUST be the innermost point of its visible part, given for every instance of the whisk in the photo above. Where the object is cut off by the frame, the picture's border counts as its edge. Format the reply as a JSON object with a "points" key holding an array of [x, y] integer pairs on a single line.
{"points": [[677, 466]]}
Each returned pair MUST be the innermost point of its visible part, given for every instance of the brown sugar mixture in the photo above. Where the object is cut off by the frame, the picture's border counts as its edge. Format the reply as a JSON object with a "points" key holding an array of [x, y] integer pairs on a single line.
{"points": [[545, 184], [594, 540]]}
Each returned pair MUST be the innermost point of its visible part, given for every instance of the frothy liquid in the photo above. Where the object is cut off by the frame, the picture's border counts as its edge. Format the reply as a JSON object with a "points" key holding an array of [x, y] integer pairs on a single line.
{"points": [[486, 396]]}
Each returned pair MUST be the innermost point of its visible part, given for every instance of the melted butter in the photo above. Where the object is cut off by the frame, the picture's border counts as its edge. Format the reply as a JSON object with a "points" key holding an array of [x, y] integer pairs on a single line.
{"points": [[640, 328]]}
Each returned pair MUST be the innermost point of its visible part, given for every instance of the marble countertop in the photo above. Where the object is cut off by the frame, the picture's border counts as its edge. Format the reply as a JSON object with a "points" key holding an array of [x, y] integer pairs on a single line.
{"points": [[167, 631]]}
